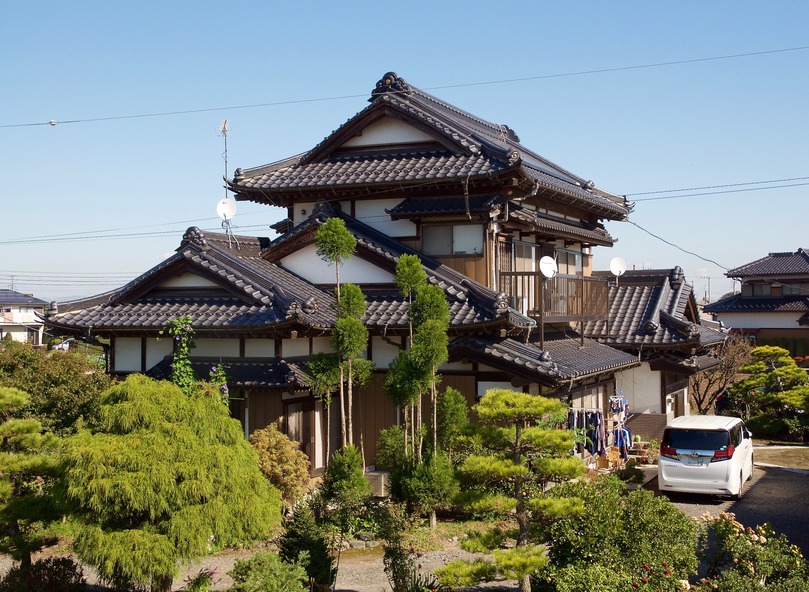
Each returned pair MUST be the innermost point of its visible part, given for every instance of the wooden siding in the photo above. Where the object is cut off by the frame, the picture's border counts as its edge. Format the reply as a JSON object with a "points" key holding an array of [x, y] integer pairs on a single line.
{"points": [[265, 407], [373, 411]]}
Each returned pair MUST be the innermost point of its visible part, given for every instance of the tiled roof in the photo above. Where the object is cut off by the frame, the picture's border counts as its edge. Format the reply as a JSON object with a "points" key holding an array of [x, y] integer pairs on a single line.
{"points": [[739, 303], [18, 298], [367, 169], [262, 373], [775, 264], [564, 358], [591, 233], [648, 308], [469, 301], [154, 311], [256, 293], [465, 147], [424, 207]]}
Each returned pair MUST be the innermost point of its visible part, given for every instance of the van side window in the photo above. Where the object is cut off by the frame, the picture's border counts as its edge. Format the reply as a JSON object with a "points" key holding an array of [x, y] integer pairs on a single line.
{"points": [[736, 435]]}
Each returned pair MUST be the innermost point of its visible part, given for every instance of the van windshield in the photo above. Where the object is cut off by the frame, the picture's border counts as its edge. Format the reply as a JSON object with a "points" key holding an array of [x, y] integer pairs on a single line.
{"points": [[696, 439]]}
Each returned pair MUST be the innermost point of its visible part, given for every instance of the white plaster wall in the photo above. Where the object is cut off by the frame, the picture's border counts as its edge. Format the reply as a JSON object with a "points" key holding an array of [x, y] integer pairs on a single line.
{"points": [[301, 212], [308, 265], [156, 350], [291, 348], [373, 214], [187, 280], [388, 131], [455, 366], [209, 348], [127, 354], [322, 345], [383, 352], [259, 348], [773, 320], [641, 387], [485, 385]]}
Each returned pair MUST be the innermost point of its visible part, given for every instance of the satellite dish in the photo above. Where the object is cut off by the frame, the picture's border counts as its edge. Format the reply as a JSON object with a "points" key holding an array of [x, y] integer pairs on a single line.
{"points": [[548, 267], [617, 266], [226, 209]]}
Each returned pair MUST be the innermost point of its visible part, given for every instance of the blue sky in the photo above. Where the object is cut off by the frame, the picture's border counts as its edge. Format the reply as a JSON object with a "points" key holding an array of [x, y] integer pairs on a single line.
{"points": [[634, 130]]}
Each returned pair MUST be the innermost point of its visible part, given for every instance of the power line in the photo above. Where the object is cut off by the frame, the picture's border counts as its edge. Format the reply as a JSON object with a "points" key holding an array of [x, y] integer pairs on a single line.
{"points": [[717, 186], [678, 247], [54, 122], [720, 192]]}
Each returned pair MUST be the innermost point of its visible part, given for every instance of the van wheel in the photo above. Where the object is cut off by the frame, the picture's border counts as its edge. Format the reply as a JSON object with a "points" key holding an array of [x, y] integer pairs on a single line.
{"points": [[736, 497], [752, 468]]}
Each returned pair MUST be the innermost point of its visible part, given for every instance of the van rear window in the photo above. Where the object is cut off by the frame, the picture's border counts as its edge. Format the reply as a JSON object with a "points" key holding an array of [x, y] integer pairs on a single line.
{"points": [[696, 439]]}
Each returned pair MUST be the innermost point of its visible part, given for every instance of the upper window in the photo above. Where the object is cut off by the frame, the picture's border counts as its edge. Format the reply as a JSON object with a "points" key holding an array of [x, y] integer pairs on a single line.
{"points": [[795, 289], [452, 239], [761, 290], [569, 262]]}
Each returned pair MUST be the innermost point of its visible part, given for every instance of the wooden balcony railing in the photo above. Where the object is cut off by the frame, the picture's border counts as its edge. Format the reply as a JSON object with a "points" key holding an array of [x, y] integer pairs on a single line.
{"points": [[561, 298]]}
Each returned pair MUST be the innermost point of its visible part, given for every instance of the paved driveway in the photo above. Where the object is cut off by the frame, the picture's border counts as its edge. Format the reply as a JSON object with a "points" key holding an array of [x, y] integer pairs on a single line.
{"points": [[776, 495]]}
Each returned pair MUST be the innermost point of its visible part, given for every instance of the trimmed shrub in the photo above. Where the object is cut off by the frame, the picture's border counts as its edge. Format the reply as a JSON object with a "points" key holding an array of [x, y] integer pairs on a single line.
{"points": [[282, 462], [265, 572]]}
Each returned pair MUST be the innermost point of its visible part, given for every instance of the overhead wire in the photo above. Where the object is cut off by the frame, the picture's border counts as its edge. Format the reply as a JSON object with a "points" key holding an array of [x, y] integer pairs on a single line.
{"points": [[53, 122]]}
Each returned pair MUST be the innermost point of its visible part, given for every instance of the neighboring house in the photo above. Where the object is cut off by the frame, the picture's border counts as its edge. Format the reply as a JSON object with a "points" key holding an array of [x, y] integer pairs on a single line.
{"points": [[407, 174], [654, 316], [773, 304], [20, 317]]}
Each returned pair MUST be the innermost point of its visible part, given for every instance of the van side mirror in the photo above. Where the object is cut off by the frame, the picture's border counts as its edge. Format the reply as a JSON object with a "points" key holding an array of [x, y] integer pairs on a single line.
{"points": [[747, 434]]}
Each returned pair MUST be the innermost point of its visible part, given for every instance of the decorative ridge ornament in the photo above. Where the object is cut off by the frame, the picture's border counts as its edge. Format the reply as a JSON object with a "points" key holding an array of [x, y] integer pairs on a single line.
{"points": [[390, 82], [194, 235]]}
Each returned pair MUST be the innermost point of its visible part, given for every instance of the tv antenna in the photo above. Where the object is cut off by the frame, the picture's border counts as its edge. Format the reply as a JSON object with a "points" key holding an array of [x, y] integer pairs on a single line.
{"points": [[226, 208]]}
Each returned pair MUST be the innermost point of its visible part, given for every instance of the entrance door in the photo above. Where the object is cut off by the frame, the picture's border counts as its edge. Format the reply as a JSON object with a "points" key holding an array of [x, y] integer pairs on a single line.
{"points": [[303, 421]]}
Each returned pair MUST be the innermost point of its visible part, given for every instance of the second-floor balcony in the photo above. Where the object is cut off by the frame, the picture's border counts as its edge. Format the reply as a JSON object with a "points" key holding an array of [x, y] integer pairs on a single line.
{"points": [[562, 298]]}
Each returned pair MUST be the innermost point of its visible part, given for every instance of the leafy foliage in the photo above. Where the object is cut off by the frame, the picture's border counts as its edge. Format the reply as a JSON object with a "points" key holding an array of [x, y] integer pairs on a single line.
{"points": [[266, 572], [64, 387], [335, 244], [465, 574], [182, 332], [750, 558], [774, 386], [305, 542], [282, 462], [218, 376], [453, 418], [642, 530], [28, 467], [167, 477], [426, 484]]}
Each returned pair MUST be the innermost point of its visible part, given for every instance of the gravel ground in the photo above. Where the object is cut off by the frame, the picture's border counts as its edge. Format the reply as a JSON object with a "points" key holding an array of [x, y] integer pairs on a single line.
{"points": [[361, 570]]}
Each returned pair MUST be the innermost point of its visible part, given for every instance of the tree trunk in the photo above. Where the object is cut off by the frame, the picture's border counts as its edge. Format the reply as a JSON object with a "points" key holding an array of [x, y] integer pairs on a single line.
{"points": [[433, 520], [342, 410], [350, 402], [420, 423], [162, 583], [434, 402], [327, 413]]}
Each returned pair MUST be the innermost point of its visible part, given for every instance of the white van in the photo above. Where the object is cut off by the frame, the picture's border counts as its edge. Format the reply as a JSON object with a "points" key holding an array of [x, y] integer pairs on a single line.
{"points": [[710, 454]]}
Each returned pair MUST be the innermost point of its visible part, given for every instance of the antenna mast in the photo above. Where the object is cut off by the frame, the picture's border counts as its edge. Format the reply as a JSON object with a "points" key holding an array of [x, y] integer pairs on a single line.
{"points": [[226, 208]]}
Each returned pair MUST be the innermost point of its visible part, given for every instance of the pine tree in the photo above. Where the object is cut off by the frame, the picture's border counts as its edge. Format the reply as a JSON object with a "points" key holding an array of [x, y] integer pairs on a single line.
{"points": [[526, 452], [168, 476]]}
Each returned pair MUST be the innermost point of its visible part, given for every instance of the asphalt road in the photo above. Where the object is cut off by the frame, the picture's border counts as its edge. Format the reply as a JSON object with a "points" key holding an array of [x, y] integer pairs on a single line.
{"points": [[775, 495]]}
